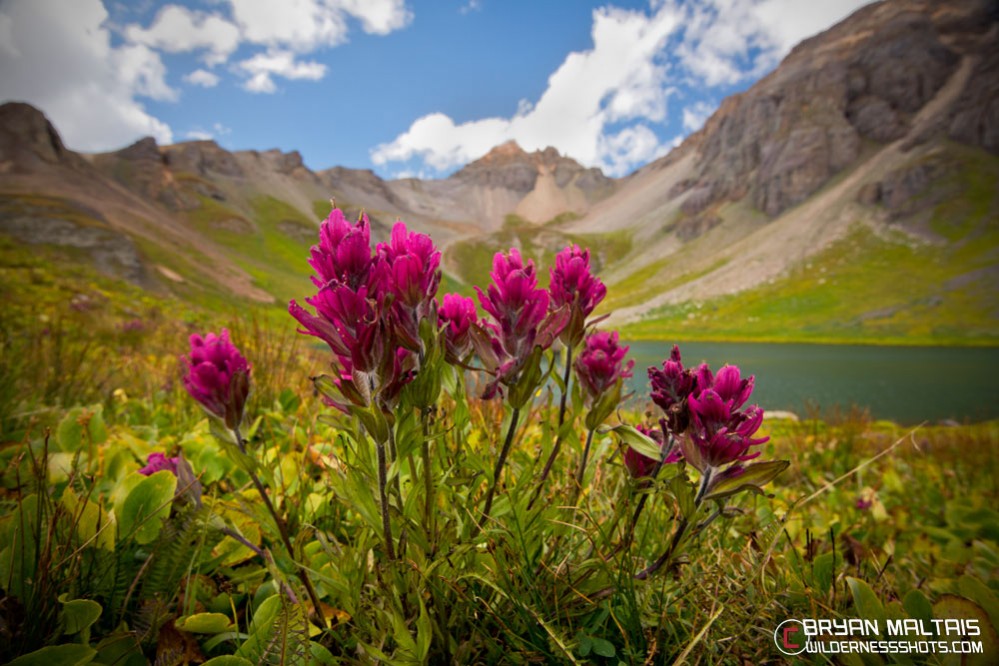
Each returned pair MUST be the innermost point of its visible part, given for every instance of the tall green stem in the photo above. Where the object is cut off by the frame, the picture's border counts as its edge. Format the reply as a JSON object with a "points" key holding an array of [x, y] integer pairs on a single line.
{"points": [[681, 529], [582, 466], [514, 417], [567, 374], [383, 499], [283, 531], [428, 482]]}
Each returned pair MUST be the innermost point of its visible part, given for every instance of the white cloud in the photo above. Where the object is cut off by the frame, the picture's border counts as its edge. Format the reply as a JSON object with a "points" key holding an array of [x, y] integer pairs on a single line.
{"points": [[622, 78], [601, 105], [177, 29], [198, 135], [261, 67], [60, 59], [377, 17], [203, 78], [304, 25], [695, 115], [728, 41]]}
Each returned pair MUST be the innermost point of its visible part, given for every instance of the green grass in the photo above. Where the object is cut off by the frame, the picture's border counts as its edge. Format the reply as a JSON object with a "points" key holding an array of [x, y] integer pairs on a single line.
{"points": [[863, 289]]}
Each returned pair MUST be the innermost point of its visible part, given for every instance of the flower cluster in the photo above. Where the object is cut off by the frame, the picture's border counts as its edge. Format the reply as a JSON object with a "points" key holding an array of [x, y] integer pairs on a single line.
{"points": [[457, 315], [369, 306], [218, 377], [601, 364], [575, 288], [705, 413], [520, 319]]}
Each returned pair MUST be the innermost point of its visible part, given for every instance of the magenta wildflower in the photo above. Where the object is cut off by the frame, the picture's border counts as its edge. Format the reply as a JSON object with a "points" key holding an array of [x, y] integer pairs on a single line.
{"points": [[414, 266], [456, 315], [521, 321], [722, 432], [157, 462], [574, 287], [368, 308], [344, 251], [601, 364], [218, 377]]}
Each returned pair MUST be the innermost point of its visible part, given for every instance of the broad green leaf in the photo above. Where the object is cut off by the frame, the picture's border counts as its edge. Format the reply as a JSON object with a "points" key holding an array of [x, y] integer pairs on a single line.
{"points": [[754, 476], [79, 614], [866, 602], [977, 591], [147, 506], [951, 607], [918, 606], [94, 525], [228, 660], [604, 648], [73, 654], [636, 440], [824, 571], [69, 433], [204, 623]]}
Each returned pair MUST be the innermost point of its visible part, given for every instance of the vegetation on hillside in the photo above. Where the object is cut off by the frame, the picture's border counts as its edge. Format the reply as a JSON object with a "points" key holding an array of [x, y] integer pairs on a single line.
{"points": [[133, 526]]}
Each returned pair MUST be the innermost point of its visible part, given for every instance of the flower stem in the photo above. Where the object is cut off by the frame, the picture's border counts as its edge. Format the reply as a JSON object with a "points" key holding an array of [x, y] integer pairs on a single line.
{"points": [[681, 529], [514, 417], [558, 432], [582, 466], [428, 482], [383, 499], [303, 576]]}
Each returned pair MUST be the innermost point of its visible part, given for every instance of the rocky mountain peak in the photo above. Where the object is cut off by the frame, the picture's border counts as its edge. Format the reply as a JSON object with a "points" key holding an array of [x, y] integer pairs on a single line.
{"points": [[878, 76], [27, 136], [510, 167]]}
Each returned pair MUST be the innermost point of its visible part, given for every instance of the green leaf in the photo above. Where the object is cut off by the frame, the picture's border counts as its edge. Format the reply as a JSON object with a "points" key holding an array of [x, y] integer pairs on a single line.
{"points": [[754, 476], [204, 623], [147, 506], [585, 646], [824, 571], [69, 433], [977, 591], [604, 648], [228, 660], [866, 602], [79, 614], [917, 606], [72, 654], [951, 607], [636, 440]]}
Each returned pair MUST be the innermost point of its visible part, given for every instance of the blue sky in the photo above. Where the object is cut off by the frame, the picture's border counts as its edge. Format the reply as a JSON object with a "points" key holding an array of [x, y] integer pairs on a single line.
{"points": [[405, 87]]}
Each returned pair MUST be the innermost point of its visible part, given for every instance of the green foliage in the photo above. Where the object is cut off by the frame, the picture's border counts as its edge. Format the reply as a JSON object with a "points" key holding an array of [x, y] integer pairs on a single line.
{"points": [[98, 563]]}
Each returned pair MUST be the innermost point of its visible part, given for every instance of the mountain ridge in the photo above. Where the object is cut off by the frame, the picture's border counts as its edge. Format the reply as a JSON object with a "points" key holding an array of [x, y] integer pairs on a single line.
{"points": [[886, 126]]}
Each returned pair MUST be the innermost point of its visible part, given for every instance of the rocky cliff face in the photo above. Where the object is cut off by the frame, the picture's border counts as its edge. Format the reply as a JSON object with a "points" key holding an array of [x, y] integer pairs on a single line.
{"points": [[866, 79]]}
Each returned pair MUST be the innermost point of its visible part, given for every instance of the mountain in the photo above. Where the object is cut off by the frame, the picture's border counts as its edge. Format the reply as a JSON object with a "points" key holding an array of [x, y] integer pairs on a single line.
{"points": [[851, 194], [195, 217]]}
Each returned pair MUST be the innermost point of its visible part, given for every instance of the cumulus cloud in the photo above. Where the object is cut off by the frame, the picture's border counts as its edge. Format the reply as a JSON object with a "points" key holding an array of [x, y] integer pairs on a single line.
{"points": [[304, 25], [203, 78], [601, 105], [728, 41], [623, 77], [61, 60], [178, 29], [263, 66]]}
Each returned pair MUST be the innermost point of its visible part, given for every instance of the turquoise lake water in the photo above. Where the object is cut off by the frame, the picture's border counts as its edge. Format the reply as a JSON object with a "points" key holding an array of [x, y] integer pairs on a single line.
{"points": [[908, 385]]}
